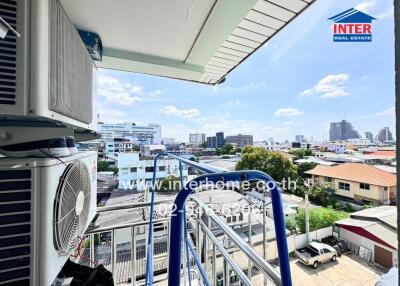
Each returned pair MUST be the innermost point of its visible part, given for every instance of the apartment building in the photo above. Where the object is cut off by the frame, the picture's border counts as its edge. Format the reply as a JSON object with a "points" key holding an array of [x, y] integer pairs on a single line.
{"points": [[360, 182], [150, 134], [136, 173], [240, 140], [197, 138]]}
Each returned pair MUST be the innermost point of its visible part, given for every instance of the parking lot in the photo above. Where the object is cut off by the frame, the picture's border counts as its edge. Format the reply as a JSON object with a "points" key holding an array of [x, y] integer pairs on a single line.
{"points": [[347, 270]]}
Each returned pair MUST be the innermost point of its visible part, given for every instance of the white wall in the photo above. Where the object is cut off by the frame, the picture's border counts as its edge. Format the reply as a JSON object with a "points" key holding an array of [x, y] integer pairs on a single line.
{"points": [[300, 240], [128, 179], [358, 240]]}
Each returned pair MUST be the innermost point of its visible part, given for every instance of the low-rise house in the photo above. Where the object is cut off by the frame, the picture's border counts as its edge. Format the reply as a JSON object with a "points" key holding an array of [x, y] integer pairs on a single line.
{"points": [[360, 182], [372, 233]]}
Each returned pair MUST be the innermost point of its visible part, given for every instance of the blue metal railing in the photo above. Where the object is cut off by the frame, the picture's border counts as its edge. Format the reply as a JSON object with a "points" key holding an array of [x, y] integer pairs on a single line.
{"points": [[178, 219]]}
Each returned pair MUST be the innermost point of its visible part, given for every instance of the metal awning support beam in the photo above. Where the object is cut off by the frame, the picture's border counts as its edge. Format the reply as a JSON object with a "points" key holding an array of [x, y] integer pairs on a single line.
{"points": [[142, 63]]}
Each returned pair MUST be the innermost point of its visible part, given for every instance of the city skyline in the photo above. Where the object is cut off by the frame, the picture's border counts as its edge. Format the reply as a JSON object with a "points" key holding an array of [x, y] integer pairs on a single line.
{"points": [[257, 99]]}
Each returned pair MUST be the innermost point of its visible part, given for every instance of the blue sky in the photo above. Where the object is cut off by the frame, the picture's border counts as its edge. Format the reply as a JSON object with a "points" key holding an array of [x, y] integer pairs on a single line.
{"points": [[297, 83]]}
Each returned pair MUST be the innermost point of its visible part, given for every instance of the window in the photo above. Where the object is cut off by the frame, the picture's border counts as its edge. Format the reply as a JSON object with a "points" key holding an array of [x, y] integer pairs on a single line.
{"points": [[133, 170], [364, 186], [149, 169], [325, 250], [140, 230], [162, 169], [158, 227], [234, 218], [240, 217], [228, 219], [328, 179], [344, 186]]}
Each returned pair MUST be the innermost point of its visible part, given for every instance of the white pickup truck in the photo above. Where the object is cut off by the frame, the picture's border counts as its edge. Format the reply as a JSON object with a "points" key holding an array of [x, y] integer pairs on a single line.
{"points": [[315, 253]]}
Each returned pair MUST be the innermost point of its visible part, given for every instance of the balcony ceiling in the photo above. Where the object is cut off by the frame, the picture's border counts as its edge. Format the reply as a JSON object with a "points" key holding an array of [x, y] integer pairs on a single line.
{"points": [[199, 41]]}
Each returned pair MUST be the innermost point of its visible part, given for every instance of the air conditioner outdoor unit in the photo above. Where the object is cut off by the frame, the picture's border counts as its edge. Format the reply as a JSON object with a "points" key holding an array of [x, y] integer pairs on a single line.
{"points": [[45, 207], [47, 74]]}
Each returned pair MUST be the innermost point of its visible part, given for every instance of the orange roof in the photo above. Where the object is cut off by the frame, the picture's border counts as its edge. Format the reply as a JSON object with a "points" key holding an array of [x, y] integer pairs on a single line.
{"points": [[388, 153], [362, 173]]}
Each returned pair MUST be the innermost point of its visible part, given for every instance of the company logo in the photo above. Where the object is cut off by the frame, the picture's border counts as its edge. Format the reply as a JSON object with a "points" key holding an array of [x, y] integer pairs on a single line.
{"points": [[352, 26]]}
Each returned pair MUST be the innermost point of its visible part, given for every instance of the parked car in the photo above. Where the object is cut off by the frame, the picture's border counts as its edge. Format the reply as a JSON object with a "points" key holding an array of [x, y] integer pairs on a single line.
{"points": [[339, 244], [315, 253]]}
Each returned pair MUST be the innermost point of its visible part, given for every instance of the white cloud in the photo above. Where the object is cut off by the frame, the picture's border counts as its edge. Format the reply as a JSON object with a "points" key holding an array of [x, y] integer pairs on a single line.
{"points": [[115, 91], [110, 112], [276, 129], [173, 110], [289, 111], [387, 112], [386, 14], [307, 92], [287, 123], [237, 89], [233, 103], [332, 85], [136, 89], [157, 92], [365, 6]]}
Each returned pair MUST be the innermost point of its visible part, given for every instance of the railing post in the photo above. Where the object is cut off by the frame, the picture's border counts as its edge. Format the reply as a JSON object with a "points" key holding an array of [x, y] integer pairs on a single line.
{"points": [[279, 220], [249, 237], [206, 262], [226, 273], [91, 250], [133, 257], [214, 267], [113, 252], [199, 238]]}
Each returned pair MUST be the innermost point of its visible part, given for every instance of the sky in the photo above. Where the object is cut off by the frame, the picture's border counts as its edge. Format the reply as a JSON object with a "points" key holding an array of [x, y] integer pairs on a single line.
{"points": [[297, 83]]}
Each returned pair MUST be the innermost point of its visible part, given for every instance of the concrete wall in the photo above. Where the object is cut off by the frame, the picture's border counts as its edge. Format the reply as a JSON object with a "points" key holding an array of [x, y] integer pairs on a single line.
{"points": [[300, 240]]}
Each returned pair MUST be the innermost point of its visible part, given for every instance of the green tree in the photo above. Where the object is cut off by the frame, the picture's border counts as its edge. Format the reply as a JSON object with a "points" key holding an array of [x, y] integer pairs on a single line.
{"points": [[194, 159], [102, 166], [203, 145], [319, 218], [303, 167], [300, 153], [270, 162], [323, 195], [226, 149], [170, 184], [86, 242], [290, 225]]}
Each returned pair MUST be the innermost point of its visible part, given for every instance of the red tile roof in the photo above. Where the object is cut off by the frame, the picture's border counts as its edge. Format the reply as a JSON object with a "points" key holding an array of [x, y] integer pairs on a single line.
{"points": [[356, 172], [388, 153]]}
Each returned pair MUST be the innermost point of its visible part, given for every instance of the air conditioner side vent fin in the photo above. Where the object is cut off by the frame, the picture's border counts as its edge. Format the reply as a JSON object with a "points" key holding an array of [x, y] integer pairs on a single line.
{"points": [[8, 54]]}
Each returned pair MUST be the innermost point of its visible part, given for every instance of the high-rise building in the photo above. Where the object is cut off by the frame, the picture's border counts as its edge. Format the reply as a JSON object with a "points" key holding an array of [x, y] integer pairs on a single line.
{"points": [[342, 130], [212, 142], [140, 135], [384, 135], [220, 139], [369, 136], [197, 138], [299, 138], [240, 140]]}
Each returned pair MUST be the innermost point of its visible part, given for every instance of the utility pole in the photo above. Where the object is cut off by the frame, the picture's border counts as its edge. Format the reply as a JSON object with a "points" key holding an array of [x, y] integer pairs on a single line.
{"points": [[307, 218]]}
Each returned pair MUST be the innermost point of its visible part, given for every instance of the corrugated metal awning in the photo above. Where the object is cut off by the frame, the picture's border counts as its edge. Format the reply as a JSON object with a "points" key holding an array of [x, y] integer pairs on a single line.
{"points": [[199, 41]]}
